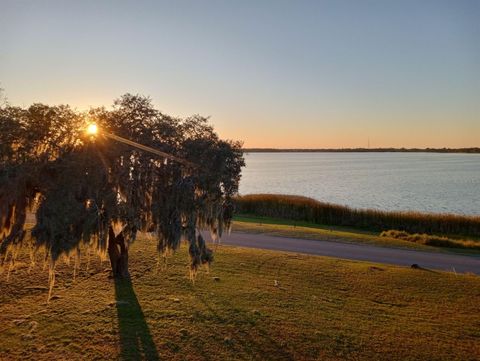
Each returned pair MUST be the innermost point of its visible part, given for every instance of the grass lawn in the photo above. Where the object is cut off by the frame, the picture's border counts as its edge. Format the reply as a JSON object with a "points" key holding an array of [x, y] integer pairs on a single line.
{"points": [[320, 309], [299, 229]]}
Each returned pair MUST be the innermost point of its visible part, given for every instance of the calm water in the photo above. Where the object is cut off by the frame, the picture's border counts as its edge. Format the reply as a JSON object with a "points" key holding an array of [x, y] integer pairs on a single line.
{"points": [[389, 181]]}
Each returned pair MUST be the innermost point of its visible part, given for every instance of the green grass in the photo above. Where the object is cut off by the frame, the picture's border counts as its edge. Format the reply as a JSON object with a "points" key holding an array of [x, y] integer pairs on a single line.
{"points": [[287, 222], [322, 309]]}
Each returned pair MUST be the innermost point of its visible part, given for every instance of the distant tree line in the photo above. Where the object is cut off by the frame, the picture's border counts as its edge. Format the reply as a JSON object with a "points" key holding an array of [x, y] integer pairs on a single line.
{"points": [[475, 150]]}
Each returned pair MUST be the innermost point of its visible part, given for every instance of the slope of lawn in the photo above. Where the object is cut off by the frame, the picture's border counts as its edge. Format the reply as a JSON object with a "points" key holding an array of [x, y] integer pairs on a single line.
{"points": [[253, 304]]}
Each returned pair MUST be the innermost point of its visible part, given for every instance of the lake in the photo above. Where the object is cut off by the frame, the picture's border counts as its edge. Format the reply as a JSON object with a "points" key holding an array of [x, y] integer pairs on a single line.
{"points": [[427, 182]]}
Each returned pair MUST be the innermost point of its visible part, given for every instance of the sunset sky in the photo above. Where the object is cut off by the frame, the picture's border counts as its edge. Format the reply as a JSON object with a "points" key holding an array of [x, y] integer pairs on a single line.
{"points": [[303, 74]]}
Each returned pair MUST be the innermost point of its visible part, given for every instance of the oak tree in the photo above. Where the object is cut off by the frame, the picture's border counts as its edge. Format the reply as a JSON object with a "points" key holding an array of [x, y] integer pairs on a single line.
{"points": [[98, 193]]}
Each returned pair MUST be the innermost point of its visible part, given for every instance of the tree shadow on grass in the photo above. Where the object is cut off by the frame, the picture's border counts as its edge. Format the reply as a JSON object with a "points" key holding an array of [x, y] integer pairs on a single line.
{"points": [[135, 339], [255, 346]]}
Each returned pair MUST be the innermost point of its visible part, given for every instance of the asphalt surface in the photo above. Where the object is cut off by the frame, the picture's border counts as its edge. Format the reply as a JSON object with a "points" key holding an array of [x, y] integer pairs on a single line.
{"points": [[395, 256]]}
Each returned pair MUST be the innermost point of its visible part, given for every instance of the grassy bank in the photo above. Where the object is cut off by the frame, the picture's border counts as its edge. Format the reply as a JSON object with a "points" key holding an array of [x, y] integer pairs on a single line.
{"points": [[304, 209], [305, 230], [392, 238], [322, 308]]}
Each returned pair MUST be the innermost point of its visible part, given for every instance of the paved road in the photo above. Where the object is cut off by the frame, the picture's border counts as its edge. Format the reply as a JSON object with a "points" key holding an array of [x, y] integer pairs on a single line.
{"points": [[402, 257]]}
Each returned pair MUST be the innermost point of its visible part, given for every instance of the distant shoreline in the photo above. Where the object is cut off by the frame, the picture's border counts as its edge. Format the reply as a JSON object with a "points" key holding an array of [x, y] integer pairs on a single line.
{"points": [[475, 150]]}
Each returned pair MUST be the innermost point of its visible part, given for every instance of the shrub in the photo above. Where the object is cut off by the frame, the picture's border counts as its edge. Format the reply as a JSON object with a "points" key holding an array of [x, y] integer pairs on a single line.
{"points": [[431, 240]]}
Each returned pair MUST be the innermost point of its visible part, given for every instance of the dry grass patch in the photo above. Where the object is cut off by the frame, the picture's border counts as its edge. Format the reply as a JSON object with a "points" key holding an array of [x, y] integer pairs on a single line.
{"points": [[432, 240]]}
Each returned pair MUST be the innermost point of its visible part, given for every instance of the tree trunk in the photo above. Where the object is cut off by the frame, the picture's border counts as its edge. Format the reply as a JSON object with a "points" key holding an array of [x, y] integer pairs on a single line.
{"points": [[118, 253]]}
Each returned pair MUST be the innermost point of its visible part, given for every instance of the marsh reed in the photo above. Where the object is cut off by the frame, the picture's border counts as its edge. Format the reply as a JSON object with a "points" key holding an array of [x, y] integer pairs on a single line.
{"points": [[305, 209]]}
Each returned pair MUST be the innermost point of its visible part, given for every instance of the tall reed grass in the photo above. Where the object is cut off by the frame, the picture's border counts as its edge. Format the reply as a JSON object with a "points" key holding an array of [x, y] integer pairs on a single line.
{"points": [[310, 210]]}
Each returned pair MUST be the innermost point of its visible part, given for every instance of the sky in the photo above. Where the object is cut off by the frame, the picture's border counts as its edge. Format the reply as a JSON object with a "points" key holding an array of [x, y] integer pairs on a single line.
{"points": [[283, 74]]}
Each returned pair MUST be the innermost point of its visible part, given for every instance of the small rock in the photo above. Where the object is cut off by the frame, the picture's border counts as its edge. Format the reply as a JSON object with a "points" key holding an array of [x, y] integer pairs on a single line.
{"points": [[415, 266], [217, 279], [227, 340], [55, 297], [256, 312], [184, 332], [32, 326], [276, 283], [19, 321], [175, 299]]}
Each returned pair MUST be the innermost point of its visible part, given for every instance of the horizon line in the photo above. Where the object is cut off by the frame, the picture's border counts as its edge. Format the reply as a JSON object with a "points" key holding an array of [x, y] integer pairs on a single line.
{"points": [[363, 150]]}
